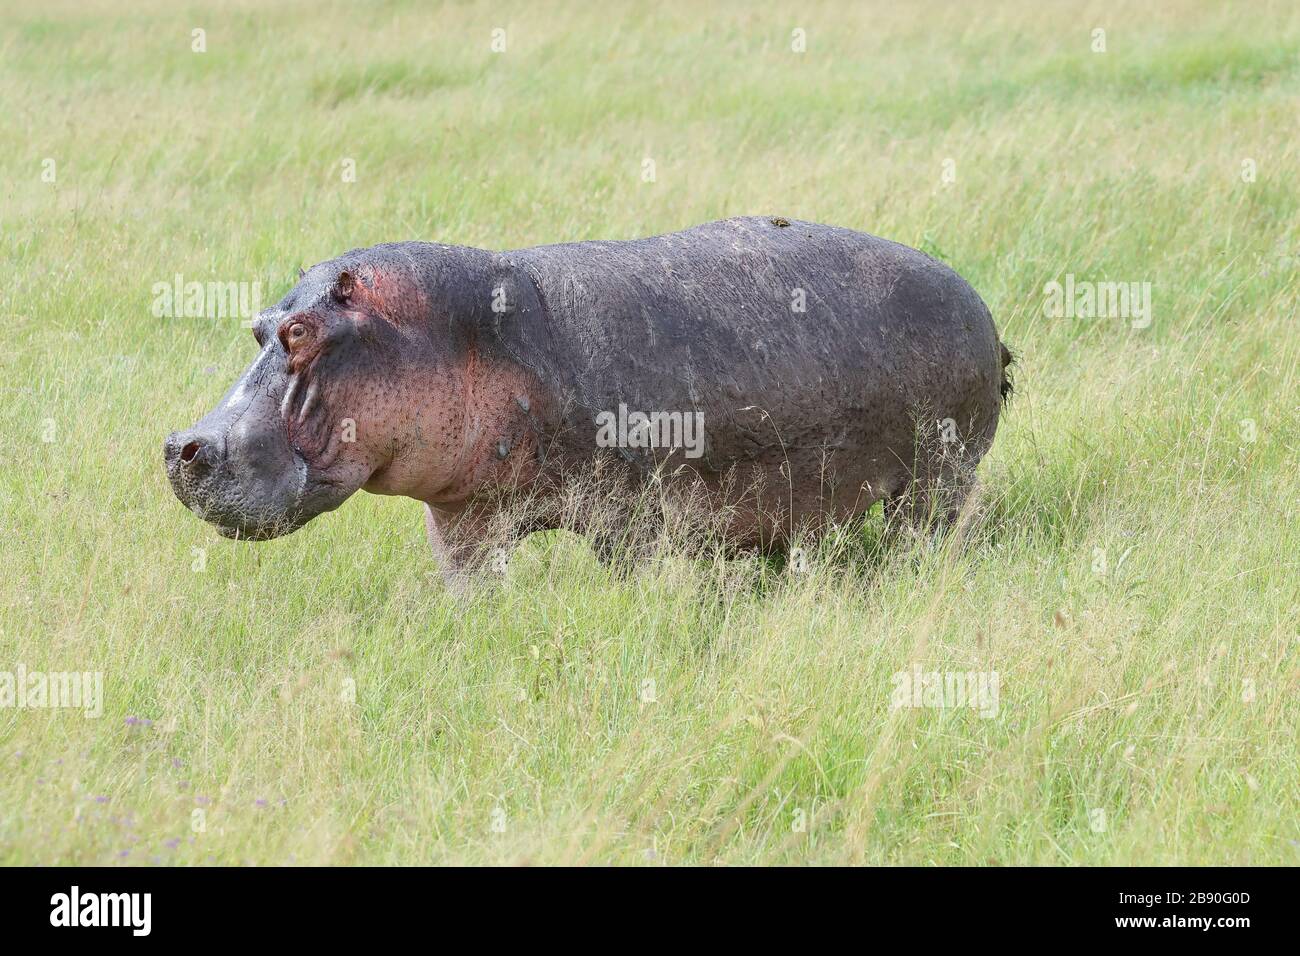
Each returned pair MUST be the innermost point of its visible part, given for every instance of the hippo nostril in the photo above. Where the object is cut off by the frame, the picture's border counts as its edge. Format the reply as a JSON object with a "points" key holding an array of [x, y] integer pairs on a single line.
{"points": [[193, 454]]}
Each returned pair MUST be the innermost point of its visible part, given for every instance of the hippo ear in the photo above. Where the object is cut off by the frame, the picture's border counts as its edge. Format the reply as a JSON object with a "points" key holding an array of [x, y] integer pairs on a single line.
{"points": [[302, 273], [343, 286]]}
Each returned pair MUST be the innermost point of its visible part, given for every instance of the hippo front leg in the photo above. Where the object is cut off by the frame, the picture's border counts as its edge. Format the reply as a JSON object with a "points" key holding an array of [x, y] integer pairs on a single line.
{"points": [[458, 547]]}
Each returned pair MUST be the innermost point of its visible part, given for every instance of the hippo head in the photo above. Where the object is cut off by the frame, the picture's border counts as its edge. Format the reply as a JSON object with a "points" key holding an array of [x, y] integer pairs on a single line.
{"points": [[355, 385]]}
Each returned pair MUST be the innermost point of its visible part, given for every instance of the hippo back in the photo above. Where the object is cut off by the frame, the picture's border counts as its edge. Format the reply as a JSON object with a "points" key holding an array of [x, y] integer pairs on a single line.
{"points": [[791, 338]]}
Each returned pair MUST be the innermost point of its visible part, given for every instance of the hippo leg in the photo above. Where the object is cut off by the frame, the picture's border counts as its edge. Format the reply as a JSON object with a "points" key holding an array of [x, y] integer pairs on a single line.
{"points": [[478, 539], [450, 554], [932, 502], [466, 543]]}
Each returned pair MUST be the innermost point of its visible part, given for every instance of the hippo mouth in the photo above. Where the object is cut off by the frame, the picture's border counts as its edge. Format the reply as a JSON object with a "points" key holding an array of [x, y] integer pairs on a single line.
{"points": [[241, 528], [258, 532]]}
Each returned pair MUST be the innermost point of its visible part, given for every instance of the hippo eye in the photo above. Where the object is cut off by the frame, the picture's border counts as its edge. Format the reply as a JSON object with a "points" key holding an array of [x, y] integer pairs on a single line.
{"points": [[294, 333]]}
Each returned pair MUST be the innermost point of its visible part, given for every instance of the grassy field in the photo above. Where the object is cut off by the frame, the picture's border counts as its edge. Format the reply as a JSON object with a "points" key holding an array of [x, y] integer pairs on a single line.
{"points": [[1131, 576]]}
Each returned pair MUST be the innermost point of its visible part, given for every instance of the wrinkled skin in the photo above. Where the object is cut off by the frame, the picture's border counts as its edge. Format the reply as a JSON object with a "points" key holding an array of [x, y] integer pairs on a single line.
{"points": [[465, 379]]}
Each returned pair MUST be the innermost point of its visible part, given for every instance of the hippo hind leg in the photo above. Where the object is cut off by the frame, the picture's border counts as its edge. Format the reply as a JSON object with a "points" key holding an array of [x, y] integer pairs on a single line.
{"points": [[933, 496], [930, 503]]}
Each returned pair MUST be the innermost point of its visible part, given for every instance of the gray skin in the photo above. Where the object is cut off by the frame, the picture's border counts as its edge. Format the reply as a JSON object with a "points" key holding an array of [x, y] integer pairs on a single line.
{"points": [[827, 365]]}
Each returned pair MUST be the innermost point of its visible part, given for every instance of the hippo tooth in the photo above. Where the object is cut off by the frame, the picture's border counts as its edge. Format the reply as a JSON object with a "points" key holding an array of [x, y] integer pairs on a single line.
{"points": [[287, 402], [522, 401], [307, 402], [503, 448]]}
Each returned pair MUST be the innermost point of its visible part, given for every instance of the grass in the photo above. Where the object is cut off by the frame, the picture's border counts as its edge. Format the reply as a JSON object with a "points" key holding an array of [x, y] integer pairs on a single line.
{"points": [[321, 700]]}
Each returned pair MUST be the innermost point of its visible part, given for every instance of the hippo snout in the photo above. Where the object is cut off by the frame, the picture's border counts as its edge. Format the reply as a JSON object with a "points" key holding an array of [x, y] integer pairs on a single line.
{"points": [[239, 494]]}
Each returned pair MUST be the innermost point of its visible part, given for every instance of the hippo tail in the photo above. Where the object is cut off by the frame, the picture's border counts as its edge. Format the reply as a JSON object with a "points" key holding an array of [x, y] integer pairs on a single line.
{"points": [[1006, 387]]}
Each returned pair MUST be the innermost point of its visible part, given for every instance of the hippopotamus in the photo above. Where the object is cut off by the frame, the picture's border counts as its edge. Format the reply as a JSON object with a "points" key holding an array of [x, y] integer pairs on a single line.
{"points": [[791, 374]]}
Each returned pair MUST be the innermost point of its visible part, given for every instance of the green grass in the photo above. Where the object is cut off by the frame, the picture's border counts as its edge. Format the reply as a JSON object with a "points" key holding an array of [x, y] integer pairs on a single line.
{"points": [[514, 730]]}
